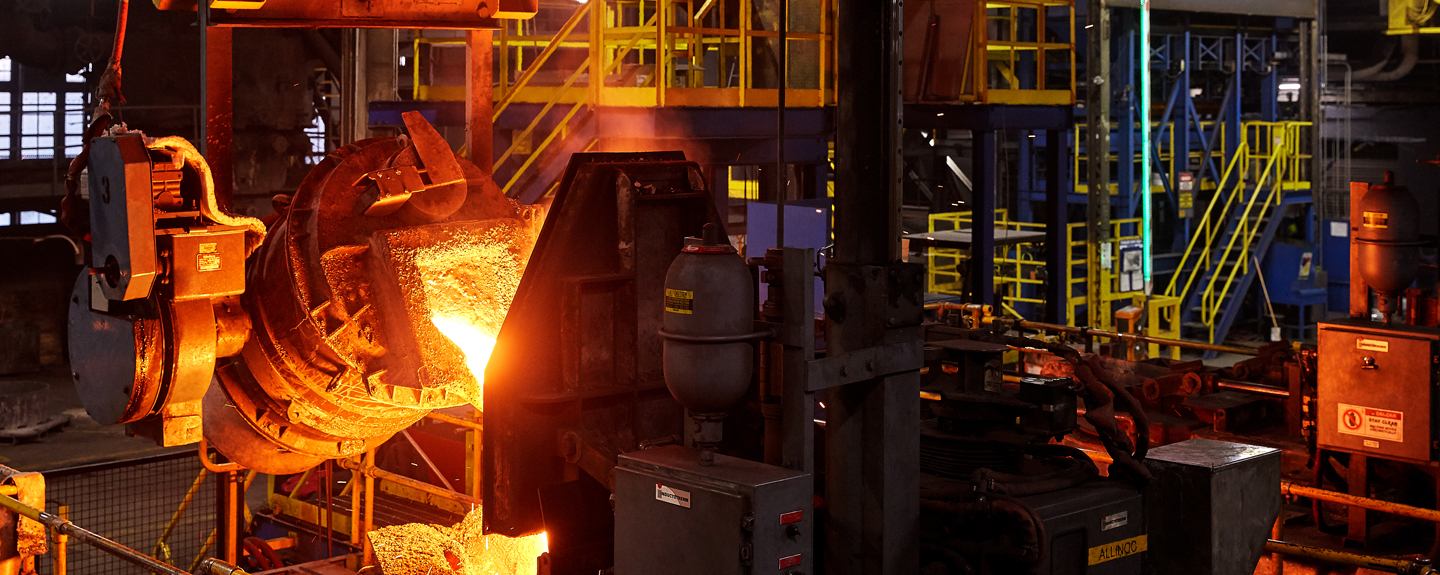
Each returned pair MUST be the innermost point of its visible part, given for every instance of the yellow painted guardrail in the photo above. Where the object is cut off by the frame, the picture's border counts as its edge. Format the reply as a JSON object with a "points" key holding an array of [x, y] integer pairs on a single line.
{"points": [[1267, 162]]}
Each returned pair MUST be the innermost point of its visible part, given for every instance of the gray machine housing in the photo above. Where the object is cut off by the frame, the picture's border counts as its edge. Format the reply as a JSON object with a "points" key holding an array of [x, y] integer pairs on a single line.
{"points": [[1088, 517], [673, 515], [1210, 506]]}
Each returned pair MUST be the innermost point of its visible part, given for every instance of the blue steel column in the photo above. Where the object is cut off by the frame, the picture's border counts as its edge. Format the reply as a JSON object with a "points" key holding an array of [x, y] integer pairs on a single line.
{"points": [[1270, 84], [981, 279], [1232, 112], [1182, 230]]}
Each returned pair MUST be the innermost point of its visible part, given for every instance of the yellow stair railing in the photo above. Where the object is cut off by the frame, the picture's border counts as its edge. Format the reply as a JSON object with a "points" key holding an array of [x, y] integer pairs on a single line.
{"points": [[1266, 163]]}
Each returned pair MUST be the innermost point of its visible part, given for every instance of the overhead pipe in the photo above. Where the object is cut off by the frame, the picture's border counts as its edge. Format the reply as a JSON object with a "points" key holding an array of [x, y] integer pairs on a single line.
{"points": [[1409, 56], [1091, 332]]}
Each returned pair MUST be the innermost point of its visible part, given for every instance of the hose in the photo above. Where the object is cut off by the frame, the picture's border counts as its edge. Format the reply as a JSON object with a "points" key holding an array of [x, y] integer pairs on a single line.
{"points": [[209, 205], [74, 210], [1037, 528], [1079, 470], [1099, 394]]}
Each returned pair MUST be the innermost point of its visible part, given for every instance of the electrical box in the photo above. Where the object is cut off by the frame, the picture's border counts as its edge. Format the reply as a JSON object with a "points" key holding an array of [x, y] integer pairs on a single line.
{"points": [[1096, 528], [674, 515], [1375, 387], [1210, 506]]}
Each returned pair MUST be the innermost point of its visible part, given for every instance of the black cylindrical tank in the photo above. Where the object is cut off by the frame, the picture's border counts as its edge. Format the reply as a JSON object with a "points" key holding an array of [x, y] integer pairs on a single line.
{"points": [[1388, 240], [709, 318]]}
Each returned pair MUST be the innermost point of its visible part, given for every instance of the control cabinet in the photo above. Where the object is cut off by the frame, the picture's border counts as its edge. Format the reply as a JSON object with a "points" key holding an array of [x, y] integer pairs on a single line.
{"points": [[1376, 386], [674, 515]]}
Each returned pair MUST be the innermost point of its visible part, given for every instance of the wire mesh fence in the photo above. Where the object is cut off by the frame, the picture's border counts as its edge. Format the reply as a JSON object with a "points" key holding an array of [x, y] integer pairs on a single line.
{"points": [[132, 502]]}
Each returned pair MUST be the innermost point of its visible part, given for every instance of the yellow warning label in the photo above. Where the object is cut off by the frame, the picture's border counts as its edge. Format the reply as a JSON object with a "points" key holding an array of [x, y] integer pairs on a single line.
{"points": [[679, 301], [1377, 219], [1118, 549]]}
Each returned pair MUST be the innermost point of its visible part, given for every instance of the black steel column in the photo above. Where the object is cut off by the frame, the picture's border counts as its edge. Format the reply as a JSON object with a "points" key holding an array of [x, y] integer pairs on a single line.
{"points": [[1097, 149], [867, 145], [1057, 253], [981, 277], [872, 426]]}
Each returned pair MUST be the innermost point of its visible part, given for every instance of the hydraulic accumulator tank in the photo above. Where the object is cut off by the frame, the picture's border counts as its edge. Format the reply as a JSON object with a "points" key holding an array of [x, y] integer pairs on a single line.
{"points": [[1389, 241], [709, 320]]}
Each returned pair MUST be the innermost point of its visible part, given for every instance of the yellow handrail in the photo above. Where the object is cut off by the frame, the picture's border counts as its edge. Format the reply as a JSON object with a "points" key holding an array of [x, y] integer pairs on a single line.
{"points": [[525, 134], [1281, 164], [543, 145], [1279, 152], [540, 60], [1207, 225]]}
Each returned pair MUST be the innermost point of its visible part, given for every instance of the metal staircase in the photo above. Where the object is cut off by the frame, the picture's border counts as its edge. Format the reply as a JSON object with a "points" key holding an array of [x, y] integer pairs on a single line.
{"points": [[1259, 182]]}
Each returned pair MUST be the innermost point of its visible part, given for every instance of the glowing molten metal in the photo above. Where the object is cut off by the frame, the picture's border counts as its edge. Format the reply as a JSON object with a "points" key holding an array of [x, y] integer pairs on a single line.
{"points": [[467, 283], [423, 549], [474, 343]]}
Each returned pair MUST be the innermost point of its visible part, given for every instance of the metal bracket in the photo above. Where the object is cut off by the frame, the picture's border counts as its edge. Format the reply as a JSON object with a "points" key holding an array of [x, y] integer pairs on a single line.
{"points": [[394, 185], [865, 364]]}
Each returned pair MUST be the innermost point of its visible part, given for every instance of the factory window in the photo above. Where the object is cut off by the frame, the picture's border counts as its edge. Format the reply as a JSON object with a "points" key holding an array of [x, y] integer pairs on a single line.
{"points": [[50, 122], [74, 122], [31, 217], [37, 125], [5, 125], [316, 133]]}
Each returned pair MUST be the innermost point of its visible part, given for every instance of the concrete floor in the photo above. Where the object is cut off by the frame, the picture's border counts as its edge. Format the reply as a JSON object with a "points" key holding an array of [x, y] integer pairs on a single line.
{"points": [[81, 442]]}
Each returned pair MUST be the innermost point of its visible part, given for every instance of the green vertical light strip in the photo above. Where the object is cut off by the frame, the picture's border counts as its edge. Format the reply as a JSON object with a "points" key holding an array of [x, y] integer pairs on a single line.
{"points": [[1145, 138]]}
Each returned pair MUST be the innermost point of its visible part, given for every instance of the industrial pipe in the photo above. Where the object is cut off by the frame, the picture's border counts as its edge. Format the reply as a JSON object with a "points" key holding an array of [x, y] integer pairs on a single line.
{"points": [[1085, 331], [151, 564], [1252, 388], [1358, 501], [437, 416], [378, 473], [1334, 557]]}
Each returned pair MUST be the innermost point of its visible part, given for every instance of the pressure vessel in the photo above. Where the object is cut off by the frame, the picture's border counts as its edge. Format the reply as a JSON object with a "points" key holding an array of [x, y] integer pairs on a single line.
{"points": [[1388, 238], [709, 320]]}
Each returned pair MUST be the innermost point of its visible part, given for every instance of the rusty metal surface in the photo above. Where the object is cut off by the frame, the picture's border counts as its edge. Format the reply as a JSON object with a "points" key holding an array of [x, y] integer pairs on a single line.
{"points": [[323, 376], [460, 14], [1365, 367], [426, 166], [25, 536], [580, 348], [116, 360]]}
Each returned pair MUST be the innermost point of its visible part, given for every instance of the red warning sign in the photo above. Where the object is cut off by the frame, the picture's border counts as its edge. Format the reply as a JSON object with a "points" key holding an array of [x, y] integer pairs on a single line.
{"points": [[1373, 423], [1350, 419]]}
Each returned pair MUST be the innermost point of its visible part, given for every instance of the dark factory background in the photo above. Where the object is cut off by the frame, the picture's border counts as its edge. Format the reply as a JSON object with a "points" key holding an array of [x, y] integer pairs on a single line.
{"points": [[719, 286]]}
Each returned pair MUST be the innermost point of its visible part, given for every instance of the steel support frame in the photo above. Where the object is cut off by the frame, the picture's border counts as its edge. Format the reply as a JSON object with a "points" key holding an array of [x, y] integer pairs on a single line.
{"points": [[217, 132], [983, 121], [479, 100], [872, 426], [1097, 163]]}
